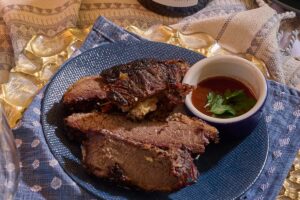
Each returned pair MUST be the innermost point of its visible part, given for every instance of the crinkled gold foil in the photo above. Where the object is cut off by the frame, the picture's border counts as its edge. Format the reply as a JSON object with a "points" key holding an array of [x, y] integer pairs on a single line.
{"points": [[199, 42], [43, 55], [39, 60], [291, 185]]}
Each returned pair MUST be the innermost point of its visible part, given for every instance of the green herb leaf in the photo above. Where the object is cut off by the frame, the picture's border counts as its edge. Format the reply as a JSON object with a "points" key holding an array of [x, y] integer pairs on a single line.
{"points": [[222, 109], [232, 103], [229, 95], [213, 98]]}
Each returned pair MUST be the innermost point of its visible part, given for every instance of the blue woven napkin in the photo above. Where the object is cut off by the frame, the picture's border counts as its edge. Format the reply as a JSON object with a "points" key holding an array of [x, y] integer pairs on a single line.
{"points": [[43, 178]]}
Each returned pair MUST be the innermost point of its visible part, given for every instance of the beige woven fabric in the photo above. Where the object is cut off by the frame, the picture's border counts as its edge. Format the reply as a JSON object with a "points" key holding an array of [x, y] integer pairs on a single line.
{"points": [[234, 23], [6, 52], [25, 18], [123, 13], [238, 25], [241, 29], [21, 19]]}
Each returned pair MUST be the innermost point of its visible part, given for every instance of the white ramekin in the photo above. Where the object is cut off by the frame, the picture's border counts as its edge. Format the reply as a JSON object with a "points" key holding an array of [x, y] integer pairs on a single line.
{"points": [[233, 67]]}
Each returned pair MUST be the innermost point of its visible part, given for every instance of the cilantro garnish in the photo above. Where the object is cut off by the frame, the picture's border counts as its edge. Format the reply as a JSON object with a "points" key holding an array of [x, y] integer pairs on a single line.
{"points": [[229, 104]]}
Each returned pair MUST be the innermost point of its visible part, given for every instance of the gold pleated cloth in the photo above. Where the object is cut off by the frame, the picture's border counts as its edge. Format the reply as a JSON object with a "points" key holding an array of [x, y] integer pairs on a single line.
{"points": [[43, 56]]}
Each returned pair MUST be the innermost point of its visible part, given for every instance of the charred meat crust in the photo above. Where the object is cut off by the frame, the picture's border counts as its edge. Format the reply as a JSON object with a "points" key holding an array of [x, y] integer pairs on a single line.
{"points": [[117, 159], [133, 82]]}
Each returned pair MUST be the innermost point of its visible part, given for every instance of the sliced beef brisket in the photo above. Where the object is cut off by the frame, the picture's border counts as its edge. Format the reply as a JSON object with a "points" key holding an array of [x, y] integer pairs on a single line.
{"points": [[142, 165], [177, 131]]}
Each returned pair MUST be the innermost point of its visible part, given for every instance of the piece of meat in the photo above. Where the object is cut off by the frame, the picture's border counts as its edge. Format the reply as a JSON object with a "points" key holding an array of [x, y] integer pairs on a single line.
{"points": [[151, 155], [177, 131], [141, 165], [85, 95], [129, 87], [132, 83]]}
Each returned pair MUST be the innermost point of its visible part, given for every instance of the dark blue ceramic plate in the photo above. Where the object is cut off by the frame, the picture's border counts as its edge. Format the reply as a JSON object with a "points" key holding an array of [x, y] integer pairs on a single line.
{"points": [[227, 169]]}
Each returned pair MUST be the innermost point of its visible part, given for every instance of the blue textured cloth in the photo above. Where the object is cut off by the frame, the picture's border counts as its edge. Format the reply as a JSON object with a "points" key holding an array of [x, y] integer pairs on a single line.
{"points": [[43, 178]]}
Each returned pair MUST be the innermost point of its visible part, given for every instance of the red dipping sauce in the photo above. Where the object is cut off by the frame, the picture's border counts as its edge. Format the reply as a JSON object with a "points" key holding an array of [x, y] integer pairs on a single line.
{"points": [[218, 85]]}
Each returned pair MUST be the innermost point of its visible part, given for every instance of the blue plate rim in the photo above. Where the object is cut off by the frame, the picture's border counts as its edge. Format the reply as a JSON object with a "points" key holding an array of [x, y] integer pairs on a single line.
{"points": [[127, 43], [263, 165]]}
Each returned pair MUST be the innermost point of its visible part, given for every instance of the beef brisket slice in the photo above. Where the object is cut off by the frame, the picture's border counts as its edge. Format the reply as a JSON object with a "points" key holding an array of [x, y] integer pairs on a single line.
{"points": [[177, 131], [85, 94], [142, 165], [138, 80]]}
